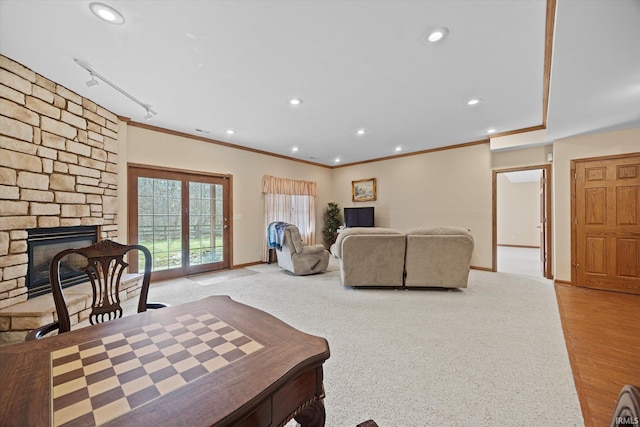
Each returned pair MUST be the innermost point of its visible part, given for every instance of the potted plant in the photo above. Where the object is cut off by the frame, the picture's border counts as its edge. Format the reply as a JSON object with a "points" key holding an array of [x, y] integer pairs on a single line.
{"points": [[332, 221]]}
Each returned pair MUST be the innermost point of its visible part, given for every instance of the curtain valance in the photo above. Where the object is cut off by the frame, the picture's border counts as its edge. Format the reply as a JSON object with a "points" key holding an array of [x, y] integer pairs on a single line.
{"points": [[275, 185]]}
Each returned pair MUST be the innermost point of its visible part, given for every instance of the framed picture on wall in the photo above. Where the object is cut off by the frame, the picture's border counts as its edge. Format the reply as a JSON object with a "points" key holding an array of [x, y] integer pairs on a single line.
{"points": [[363, 190]]}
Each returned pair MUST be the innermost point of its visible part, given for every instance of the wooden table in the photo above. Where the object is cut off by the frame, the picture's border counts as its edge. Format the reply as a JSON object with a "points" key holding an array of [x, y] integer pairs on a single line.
{"points": [[209, 362]]}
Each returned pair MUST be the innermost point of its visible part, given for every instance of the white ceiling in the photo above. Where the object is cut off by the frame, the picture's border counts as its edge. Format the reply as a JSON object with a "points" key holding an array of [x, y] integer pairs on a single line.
{"points": [[524, 176], [218, 65]]}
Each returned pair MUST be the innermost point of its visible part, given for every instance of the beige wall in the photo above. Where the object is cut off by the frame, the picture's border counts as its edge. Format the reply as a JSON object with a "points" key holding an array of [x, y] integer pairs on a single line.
{"points": [[247, 168], [518, 212], [444, 187], [579, 147], [449, 187], [533, 156]]}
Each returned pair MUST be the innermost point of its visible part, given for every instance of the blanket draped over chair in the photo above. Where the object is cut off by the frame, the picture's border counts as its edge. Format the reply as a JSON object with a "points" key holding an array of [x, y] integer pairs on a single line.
{"points": [[275, 234]]}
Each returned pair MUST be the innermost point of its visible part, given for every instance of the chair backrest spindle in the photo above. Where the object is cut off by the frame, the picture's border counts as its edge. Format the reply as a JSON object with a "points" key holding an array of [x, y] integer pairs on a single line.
{"points": [[105, 266]]}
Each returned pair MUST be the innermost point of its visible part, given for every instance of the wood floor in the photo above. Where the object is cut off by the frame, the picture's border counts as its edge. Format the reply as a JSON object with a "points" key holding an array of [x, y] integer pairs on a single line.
{"points": [[602, 332]]}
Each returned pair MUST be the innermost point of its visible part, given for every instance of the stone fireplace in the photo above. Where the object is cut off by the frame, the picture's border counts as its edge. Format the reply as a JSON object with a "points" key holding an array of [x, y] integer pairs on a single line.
{"points": [[58, 170]]}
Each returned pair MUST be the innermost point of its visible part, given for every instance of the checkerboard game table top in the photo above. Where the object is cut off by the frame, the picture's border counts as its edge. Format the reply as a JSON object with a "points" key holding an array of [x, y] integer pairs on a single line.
{"points": [[210, 362]]}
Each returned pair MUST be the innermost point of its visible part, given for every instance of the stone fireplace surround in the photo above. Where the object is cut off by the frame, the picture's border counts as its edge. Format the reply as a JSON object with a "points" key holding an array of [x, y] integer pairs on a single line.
{"points": [[58, 168]]}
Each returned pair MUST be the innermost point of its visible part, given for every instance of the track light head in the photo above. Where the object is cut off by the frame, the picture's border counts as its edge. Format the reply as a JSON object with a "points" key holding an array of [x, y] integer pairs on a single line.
{"points": [[93, 82]]}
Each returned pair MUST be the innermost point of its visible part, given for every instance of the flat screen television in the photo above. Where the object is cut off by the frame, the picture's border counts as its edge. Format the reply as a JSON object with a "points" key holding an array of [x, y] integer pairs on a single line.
{"points": [[358, 217]]}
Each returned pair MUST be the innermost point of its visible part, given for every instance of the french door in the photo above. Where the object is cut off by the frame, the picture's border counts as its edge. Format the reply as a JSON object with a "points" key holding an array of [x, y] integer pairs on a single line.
{"points": [[182, 218]]}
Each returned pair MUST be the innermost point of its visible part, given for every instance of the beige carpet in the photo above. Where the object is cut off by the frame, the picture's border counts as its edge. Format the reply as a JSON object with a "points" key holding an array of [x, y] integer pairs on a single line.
{"points": [[222, 276], [491, 354]]}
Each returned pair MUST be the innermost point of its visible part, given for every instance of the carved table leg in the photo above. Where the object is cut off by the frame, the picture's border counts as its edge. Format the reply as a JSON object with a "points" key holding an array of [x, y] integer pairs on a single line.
{"points": [[312, 416]]}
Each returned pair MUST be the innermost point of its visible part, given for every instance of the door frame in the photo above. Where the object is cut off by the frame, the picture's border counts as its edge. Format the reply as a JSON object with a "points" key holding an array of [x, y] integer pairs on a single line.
{"points": [[132, 211], [548, 224]]}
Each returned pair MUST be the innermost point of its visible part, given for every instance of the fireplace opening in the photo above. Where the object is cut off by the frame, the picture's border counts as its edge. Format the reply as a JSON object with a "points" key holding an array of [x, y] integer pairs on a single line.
{"points": [[44, 243]]}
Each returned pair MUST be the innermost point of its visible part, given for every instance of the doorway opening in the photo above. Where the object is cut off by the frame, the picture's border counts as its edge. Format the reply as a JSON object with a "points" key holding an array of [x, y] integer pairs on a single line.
{"points": [[522, 221]]}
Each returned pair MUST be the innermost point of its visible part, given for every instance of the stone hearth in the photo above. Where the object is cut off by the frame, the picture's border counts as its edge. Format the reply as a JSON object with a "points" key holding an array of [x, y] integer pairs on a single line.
{"points": [[17, 320]]}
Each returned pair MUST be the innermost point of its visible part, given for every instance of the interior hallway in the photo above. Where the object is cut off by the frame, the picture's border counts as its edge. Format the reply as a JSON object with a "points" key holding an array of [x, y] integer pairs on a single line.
{"points": [[519, 260]]}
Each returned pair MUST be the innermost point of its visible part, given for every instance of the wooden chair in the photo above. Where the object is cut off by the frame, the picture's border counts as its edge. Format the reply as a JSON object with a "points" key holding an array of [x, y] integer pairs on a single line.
{"points": [[104, 268]]}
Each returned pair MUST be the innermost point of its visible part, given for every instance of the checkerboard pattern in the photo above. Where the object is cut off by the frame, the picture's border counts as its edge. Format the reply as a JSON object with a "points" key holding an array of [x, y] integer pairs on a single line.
{"points": [[99, 380]]}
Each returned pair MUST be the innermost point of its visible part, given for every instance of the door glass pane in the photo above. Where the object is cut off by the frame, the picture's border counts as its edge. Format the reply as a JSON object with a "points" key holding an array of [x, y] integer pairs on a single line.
{"points": [[206, 222], [160, 221]]}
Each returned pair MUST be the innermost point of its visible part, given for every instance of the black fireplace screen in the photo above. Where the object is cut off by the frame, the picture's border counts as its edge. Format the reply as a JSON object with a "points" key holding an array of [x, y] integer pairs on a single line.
{"points": [[44, 244]]}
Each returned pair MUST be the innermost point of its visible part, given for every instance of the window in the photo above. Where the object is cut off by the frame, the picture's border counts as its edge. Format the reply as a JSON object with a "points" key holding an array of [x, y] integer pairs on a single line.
{"points": [[290, 201], [182, 218], [160, 220]]}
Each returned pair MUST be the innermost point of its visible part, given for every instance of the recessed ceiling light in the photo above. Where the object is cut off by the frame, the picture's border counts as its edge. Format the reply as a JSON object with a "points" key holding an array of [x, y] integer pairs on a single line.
{"points": [[398, 149], [474, 101], [294, 149], [295, 101], [490, 131], [106, 13], [436, 34], [230, 131], [361, 131], [337, 160]]}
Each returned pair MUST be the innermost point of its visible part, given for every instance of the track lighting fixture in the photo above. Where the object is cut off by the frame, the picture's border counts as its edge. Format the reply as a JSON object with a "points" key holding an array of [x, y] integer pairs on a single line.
{"points": [[93, 82]]}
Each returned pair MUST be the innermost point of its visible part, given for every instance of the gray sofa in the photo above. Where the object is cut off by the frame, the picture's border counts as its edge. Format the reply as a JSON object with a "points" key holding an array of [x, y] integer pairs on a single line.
{"points": [[438, 257], [422, 257], [370, 256]]}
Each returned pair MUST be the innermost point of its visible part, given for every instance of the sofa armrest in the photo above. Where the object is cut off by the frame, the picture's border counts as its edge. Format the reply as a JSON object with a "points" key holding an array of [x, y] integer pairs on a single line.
{"points": [[312, 249]]}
